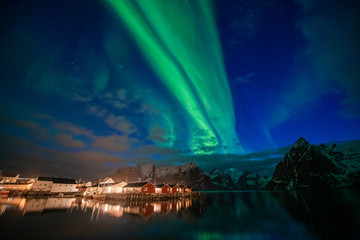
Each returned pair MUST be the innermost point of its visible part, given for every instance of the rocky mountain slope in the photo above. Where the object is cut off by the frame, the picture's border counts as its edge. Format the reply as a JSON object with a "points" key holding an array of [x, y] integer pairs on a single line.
{"points": [[237, 180], [304, 166], [189, 174], [313, 167]]}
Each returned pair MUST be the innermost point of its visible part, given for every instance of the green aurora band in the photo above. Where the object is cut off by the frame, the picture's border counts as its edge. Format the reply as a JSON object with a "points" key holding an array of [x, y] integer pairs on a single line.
{"points": [[180, 42]]}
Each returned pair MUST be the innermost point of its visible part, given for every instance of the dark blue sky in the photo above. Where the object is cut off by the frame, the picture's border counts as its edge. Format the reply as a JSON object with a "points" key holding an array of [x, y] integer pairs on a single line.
{"points": [[82, 93]]}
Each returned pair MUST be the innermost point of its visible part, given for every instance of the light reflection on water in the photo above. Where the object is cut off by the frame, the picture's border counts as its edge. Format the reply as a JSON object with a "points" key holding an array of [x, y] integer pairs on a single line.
{"points": [[216, 215], [97, 208]]}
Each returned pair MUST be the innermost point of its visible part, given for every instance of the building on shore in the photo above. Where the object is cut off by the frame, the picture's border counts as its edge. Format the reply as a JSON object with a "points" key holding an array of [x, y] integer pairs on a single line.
{"points": [[185, 189], [175, 188], [162, 188], [63, 185], [54, 185], [8, 177], [17, 187], [139, 187], [107, 180], [21, 184], [107, 187], [42, 184]]}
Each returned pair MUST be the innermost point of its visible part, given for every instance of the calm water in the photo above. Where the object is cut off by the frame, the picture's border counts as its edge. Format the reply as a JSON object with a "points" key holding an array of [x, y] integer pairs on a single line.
{"points": [[216, 215]]}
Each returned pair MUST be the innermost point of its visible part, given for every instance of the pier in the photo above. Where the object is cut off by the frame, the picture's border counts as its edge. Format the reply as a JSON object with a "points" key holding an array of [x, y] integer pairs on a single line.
{"points": [[148, 196]]}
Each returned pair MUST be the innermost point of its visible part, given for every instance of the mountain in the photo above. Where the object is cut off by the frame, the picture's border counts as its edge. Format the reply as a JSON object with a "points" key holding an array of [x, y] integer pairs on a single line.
{"points": [[308, 166], [221, 180], [251, 181], [304, 166], [189, 174], [237, 180]]}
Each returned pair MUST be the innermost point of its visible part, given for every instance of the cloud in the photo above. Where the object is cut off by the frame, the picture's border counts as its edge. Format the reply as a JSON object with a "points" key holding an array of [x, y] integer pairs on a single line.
{"points": [[97, 111], [160, 135], [119, 99], [146, 108], [120, 123], [73, 129], [82, 96], [89, 156], [115, 143], [30, 159], [331, 57], [140, 160], [156, 150], [262, 162], [67, 140], [331, 29], [37, 132]]}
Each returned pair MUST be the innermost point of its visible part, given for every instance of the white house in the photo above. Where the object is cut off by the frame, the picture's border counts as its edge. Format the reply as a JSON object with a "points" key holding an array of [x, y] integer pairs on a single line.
{"points": [[42, 184], [107, 180], [114, 187], [63, 185], [54, 185], [105, 188]]}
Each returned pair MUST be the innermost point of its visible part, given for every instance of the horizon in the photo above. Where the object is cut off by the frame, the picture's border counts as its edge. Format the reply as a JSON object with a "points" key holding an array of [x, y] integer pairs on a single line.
{"points": [[90, 86]]}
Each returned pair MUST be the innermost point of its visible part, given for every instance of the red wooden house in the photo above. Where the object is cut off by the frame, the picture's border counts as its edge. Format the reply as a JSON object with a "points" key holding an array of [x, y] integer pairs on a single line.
{"points": [[139, 187], [163, 188], [185, 189], [175, 188]]}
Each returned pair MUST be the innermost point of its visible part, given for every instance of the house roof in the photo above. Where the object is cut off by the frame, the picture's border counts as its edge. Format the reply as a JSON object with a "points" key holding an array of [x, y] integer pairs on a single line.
{"points": [[173, 185], [9, 174], [45, 178], [105, 184], [64, 180], [182, 186], [160, 185], [107, 179], [137, 184], [15, 184]]}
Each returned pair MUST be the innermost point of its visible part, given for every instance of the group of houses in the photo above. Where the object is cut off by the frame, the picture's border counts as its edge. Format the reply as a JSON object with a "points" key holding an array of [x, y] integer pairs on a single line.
{"points": [[54, 185], [12, 182], [109, 186]]}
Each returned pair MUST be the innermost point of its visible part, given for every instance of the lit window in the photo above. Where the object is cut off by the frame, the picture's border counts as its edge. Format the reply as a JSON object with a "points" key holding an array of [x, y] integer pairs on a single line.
{"points": [[145, 189]]}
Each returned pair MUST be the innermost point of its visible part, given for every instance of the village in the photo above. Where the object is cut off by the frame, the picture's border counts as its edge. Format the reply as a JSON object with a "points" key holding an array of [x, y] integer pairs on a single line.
{"points": [[11, 184]]}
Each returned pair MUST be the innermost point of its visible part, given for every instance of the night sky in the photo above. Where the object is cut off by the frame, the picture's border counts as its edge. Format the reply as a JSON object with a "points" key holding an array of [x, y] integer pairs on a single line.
{"points": [[89, 86]]}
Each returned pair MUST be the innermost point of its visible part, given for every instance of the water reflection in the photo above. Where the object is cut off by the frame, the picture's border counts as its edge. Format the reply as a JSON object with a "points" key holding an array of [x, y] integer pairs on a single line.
{"points": [[27, 206], [232, 215], [97, 208], [143, 209]]}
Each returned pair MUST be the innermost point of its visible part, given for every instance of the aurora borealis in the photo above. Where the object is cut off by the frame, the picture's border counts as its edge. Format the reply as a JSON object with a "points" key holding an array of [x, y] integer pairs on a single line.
{"points": [[94, 85], [194, 75]]}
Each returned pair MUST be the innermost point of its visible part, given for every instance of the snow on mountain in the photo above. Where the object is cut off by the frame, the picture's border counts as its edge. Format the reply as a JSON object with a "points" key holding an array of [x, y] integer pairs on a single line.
{"points": [[312, 166]]}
